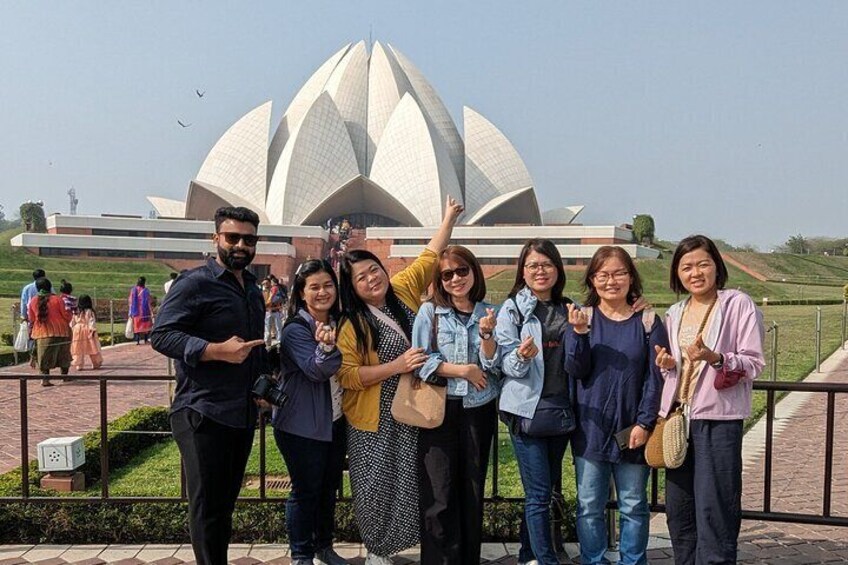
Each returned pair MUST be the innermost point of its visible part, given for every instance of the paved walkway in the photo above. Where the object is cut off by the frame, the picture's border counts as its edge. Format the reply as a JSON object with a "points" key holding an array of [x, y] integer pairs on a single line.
{"points": [[797, 480], [73, 408]]}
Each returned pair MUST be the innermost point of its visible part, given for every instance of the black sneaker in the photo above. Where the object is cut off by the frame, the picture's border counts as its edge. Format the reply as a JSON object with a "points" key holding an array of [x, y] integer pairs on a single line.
{"points": [[46, 382], [328, 556]]}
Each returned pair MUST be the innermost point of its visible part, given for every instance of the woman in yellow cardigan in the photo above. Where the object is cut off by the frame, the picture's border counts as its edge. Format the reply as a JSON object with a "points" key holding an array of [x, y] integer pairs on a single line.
{"points": [[374, 338]]}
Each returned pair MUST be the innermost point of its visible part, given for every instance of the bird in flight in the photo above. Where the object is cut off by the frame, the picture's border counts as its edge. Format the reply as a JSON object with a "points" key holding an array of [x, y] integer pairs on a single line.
{"points": [[183, 124], [199, 94]]}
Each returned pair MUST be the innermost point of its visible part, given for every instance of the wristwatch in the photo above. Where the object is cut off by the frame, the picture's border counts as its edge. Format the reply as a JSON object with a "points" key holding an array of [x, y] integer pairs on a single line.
{"points": [[718, 364], [485, 336], [327, 348]]}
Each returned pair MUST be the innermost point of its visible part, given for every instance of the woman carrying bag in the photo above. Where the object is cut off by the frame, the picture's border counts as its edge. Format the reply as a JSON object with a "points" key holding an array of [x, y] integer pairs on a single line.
{"points": [[716, 351], [374, 338], [455, 329]]}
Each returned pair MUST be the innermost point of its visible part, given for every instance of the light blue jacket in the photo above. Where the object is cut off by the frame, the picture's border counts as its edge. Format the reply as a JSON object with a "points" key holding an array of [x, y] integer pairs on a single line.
{"points": [[522, 381], [459, 344]]}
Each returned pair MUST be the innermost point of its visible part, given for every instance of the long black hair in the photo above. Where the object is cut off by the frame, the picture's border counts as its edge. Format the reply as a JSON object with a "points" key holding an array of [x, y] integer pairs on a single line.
{"points": [[356, 311], [306, 270], [547, 248], [44, 287], [84, 303]]}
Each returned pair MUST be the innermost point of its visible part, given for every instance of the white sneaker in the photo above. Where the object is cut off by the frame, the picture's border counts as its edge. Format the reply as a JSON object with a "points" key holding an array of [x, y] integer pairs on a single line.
{"points": [[532, 562], [374, 559]]}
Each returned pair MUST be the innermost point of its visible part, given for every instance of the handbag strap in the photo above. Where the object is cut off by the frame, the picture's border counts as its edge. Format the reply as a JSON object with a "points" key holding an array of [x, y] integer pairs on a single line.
{"points": [[686, 382], [389, 322]]}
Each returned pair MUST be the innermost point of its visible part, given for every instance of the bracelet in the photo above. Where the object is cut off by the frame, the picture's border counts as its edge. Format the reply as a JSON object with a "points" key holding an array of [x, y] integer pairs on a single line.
{"points": [[718, 364]]}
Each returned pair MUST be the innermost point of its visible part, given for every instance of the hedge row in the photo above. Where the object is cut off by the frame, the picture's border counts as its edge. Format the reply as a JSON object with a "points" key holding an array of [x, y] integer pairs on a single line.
{"points": [[145, 522]]}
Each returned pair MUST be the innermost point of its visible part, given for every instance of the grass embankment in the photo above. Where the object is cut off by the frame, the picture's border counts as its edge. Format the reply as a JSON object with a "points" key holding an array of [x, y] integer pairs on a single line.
{"points": [[803, 269]]}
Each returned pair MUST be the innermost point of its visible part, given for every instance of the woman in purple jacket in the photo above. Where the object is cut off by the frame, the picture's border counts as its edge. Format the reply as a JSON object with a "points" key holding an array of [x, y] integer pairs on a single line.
{"points": [[310, 429], [716, 334]]}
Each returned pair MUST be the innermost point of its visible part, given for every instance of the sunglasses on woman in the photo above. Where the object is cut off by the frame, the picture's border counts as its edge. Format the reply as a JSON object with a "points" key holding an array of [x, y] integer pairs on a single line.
{"points": [[461, 272], [232, 238]]}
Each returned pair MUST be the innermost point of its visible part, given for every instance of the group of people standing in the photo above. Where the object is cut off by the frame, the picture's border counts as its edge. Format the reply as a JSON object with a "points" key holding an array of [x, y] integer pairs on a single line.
{"points": [[598, 375], [62, 328]]}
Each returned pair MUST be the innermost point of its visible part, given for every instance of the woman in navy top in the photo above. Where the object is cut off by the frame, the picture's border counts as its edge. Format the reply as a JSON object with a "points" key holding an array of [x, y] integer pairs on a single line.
{"points": [[309, 429], [609, 352]]}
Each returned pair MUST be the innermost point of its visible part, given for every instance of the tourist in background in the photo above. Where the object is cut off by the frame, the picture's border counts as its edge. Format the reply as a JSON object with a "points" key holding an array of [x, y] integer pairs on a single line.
{"points": [[84, 339], [141, 310], [274, 304], [51, 330], [610, 352], [169, 282], [27, 292], [210, 323], [66, 290], [535, 402], [712, 372], [310, 431], [455, 330], [375, 339]]}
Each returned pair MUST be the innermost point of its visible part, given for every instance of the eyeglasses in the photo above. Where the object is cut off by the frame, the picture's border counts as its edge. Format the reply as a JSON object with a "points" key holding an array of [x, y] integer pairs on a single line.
{"points": [[232, 238], [536, 267], [603, 278], [461, 272]]}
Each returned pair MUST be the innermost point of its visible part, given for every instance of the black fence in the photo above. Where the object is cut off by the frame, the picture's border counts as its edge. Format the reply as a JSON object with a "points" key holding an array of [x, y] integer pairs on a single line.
{"points": [[765, 512]]}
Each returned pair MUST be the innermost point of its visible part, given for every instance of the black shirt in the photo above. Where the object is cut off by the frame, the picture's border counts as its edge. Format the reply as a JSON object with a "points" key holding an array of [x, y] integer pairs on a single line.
{"points": [[204, 305], [554, 319]]}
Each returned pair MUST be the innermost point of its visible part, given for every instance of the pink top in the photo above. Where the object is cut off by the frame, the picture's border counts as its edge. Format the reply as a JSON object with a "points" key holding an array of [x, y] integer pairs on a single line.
{"points": [[736, 331]]}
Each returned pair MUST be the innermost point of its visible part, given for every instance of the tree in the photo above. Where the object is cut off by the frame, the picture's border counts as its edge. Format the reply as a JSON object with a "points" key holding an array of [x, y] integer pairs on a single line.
{"points": [[643, 229], [797, 244], [32, 216]]}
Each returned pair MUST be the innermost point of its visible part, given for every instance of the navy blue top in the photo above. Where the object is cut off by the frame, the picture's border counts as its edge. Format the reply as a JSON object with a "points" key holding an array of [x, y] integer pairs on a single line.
{"points": [[204, 305], [617, 384], [306, 381]]}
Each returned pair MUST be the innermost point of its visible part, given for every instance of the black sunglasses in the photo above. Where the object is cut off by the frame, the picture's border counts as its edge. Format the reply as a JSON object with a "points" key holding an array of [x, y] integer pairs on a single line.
{"points": [[233, 238], [461, 272]]}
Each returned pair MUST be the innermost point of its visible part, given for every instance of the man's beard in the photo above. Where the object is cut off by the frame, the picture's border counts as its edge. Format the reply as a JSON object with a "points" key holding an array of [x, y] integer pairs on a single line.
{"points": [[233, 260]]}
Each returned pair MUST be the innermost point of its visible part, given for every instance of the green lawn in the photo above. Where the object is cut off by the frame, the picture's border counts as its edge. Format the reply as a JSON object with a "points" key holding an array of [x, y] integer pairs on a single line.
{"points": [[811, 269]]}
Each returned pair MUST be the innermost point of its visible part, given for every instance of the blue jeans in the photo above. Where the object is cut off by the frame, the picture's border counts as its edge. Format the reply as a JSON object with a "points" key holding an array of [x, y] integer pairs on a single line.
{"points": [[315, 468], [539, 461], [631, 486]]}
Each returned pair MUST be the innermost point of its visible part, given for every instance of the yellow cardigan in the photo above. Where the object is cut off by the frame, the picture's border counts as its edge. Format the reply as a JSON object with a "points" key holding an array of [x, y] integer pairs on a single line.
{"points": [[361, 404]]}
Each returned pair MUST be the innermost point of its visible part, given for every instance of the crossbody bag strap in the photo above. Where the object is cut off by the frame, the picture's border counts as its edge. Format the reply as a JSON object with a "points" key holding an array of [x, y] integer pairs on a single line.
{"points": [[389, 322], [686, 382]]}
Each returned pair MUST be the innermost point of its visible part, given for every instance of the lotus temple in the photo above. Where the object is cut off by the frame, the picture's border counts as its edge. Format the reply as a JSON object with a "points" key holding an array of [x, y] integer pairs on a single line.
{"points": [[365, 143]]}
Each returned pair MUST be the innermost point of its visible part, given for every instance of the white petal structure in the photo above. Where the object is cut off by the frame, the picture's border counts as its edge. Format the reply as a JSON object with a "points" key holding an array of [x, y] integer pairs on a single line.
{"points": [[561, 216], [167, 207], [317, 159], [238, 162], [493, 167], [366, 135], [413, 164]]}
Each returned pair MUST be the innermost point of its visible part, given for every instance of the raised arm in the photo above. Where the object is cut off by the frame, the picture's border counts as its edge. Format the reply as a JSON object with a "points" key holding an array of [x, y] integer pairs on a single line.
{"points": [[440, 240]]}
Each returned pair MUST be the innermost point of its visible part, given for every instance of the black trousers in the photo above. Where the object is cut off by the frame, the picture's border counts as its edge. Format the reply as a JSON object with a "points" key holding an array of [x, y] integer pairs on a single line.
{"points": [[453, 460], [704, 496], [214, 458]]}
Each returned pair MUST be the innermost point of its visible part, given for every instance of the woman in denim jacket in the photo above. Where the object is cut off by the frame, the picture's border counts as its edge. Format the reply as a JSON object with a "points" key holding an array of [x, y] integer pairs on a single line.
{"points": [[535, 399], [455, 329]]}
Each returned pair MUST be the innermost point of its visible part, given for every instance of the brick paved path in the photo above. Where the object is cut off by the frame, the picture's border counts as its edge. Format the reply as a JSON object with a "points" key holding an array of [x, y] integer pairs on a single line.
{"points": [[73, 408]]}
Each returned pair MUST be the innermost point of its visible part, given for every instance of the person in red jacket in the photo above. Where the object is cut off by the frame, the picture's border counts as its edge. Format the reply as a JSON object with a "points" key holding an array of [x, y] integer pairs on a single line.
{"points": [[51, 330]]}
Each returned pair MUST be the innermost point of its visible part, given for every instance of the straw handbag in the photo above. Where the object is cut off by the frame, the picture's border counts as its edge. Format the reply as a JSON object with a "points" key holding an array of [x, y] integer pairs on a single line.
{"points": [[668, 443]]}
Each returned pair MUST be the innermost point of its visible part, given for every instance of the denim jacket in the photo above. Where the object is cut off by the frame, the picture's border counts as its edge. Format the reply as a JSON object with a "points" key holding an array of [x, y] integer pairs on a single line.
{"points": [[522, 380], [459, 344]]}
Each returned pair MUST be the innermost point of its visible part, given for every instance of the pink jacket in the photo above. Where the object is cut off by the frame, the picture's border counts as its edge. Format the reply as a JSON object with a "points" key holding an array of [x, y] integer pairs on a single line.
{"points": [[736, 331]]}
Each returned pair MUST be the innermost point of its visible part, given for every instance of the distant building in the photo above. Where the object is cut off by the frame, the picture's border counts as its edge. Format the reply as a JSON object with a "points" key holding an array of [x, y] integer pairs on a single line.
{"points": [[366, 139]]}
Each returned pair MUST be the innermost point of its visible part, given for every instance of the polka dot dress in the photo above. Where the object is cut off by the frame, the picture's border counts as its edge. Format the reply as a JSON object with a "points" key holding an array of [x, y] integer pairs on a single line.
{"points": [[384, 467]]}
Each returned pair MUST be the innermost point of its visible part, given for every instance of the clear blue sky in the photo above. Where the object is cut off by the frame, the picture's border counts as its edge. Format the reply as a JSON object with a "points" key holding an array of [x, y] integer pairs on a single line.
{"points": [[724, 117]]}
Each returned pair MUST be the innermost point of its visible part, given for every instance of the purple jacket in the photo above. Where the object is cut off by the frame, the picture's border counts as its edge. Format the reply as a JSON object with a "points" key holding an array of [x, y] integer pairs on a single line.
{"points": [[736, 331]]}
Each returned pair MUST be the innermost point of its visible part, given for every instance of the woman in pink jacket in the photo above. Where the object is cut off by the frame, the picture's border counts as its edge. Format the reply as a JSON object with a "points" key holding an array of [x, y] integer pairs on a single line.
{"points": [[716, 334]]}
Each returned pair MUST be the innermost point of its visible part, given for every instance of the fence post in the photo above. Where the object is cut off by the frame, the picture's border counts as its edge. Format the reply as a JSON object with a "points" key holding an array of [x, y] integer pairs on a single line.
{"points": [[774, 343], [111, 321], [610, 518], [12, 312], [818, 338], [844, 319]]}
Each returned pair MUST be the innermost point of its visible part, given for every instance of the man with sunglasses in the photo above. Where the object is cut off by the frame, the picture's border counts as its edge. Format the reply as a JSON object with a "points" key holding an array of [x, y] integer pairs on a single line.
{"points": [[211, 323]]}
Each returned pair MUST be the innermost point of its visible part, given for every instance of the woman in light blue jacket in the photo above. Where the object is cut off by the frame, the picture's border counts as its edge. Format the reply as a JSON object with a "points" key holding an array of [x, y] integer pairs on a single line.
{"points": [[535, 401], [455, 329]]}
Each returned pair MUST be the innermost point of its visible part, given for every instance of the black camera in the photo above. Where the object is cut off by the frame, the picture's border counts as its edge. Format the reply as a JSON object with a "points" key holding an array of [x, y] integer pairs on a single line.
{"points": [[266, 389]]}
